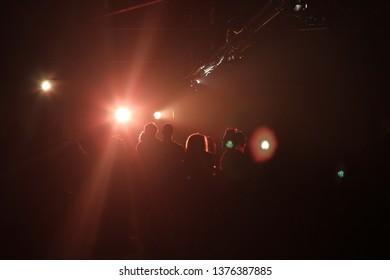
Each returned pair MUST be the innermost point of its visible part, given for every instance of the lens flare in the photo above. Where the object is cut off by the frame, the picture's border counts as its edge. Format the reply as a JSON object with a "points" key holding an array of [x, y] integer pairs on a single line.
{"points": [[341, 173], [157, 115], [122, 115], [46, 85], [229, 144], [263, 144]]}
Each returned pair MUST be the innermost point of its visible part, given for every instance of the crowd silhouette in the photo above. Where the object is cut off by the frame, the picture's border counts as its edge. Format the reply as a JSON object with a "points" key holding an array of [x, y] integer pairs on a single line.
{"points": [[104, 196]]}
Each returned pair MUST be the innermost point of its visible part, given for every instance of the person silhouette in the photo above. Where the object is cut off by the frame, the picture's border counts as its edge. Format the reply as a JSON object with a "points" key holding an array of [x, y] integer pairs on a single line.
{"points": [[173, 153], [227, 140], [238, 199], [198, 165], [195, 210], [234, 164], [149, 153], [212, 149], [211, 146], [149, 177]]}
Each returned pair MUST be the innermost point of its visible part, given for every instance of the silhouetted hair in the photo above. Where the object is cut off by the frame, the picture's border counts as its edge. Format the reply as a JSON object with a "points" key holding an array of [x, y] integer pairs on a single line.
{"points": [[167, 130], [211, 146], [228, 136], [150, 129], [239, 138], [196, 142]]}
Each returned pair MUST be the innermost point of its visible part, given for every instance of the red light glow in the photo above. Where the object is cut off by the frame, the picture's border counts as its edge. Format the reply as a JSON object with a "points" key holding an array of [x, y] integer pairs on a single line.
{"points": [[263, 144]]}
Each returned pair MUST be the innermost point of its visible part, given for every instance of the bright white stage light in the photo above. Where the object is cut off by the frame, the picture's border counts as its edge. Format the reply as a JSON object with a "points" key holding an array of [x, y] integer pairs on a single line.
{"points": [[46, 85], [265, 145], [157, 115], [122, 115]]}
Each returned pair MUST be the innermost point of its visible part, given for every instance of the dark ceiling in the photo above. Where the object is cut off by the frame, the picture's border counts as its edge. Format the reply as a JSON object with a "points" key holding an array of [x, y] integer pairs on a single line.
{"points": [[182, 33], [336, 49]]}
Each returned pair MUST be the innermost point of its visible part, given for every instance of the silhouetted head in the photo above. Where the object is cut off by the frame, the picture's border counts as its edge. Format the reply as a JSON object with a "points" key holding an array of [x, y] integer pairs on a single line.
{"points": [[167, 131], [150, 130], [196, 143], [228, 138], [239, 140]]}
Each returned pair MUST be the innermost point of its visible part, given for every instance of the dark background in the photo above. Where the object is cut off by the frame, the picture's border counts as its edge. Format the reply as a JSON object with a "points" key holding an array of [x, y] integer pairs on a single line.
{"points": [[317, 78]]}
